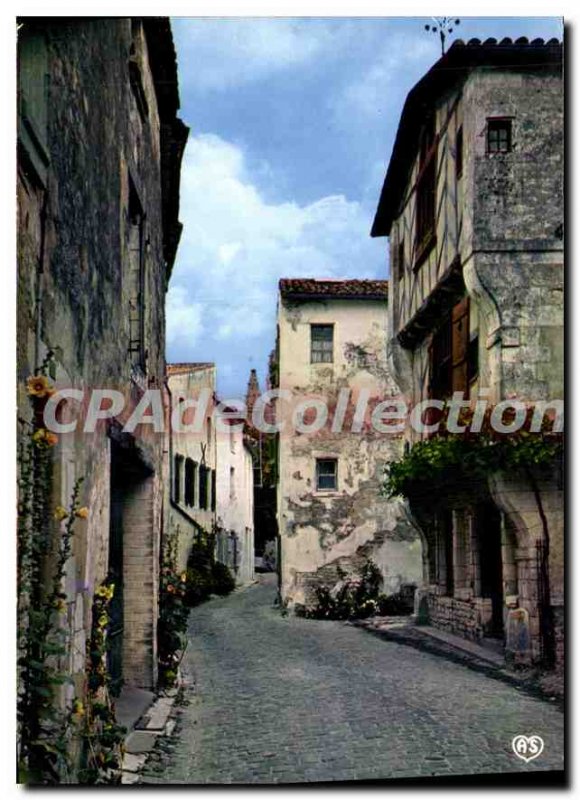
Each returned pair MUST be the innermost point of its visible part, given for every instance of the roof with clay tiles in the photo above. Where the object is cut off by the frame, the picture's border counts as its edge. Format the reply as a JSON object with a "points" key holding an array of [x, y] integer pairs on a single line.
{"points": [[452, 68], [319, 288]]}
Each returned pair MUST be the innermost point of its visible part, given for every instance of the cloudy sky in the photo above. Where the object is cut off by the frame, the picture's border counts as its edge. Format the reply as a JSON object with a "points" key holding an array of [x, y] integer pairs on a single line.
{"points": [[292, 124]]}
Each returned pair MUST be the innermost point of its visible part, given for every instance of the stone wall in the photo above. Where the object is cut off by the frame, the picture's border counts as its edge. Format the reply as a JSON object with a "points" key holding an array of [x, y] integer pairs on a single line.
{"points": [[468, 618], [90, 143]]}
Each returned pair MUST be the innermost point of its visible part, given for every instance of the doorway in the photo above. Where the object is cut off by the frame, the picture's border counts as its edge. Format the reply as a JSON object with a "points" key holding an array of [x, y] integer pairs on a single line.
{"points": [[131, 569], [490, 563]]}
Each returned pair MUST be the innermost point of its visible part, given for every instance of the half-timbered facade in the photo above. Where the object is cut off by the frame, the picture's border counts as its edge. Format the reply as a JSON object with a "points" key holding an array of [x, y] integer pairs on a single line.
{"points": [[473, 207]]}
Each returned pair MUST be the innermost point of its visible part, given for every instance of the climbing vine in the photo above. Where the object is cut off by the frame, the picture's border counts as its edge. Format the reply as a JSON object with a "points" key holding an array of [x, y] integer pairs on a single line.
{"points": [[431, 462]]}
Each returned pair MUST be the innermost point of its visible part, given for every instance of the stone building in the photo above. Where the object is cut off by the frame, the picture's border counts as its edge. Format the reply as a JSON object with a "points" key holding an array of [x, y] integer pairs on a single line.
{"points": [[191, 489], [331, 515], [235, 500], [99, 153], [473, 207]]}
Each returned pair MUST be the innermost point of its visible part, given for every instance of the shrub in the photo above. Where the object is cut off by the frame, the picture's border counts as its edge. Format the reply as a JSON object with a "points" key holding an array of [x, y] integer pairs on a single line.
{"points": [[223, 582], [355, 599]]}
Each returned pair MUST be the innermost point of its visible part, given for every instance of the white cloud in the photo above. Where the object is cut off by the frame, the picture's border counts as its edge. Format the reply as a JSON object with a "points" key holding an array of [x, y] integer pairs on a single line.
{"points": [[222, 53], [372, 92], [184, 318], [236, 246]]}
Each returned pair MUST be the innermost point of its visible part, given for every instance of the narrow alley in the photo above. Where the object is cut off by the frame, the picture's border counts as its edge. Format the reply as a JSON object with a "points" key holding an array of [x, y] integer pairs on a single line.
{"points": [[276, 699]]}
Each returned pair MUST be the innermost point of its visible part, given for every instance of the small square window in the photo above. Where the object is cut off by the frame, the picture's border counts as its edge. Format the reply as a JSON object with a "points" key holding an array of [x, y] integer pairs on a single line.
{"points": [[326, 474], [321, 344], [499, 135]]}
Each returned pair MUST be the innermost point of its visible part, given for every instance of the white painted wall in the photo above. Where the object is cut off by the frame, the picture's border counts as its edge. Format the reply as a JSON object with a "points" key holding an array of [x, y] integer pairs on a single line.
{"points": [[235, 497], [323, 530]]}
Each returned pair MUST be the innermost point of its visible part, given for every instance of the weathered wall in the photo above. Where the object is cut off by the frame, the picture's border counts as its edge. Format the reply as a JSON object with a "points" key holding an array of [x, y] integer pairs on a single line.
{"points": [[235, 498], [321, 530], [74, 255], [501, 222], [200, 446]]}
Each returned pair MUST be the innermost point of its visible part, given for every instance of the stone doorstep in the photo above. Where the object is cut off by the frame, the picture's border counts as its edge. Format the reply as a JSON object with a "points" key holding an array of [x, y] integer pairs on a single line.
{"points": [[140, 742], [156, 717], [128, 778], [132, 762]]}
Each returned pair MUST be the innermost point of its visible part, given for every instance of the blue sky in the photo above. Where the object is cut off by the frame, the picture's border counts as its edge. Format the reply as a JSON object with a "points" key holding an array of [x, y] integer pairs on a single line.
{"points": [[292, 124]]}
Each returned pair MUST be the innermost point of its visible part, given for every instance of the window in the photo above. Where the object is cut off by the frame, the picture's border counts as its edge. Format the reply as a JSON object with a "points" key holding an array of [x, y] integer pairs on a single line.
{"points": [[441, 361], [459, 153], [136, 279], [473, 359], [232, 484], [321, 344], [449, 354], [203, 486], [213, 490], [177, 463], [190, 481], [425, 199], [326, 474], [499, 135]]}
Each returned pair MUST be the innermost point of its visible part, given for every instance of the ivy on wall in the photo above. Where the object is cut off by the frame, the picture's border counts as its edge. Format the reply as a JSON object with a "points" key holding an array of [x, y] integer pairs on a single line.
{"points": [[431, 463]]}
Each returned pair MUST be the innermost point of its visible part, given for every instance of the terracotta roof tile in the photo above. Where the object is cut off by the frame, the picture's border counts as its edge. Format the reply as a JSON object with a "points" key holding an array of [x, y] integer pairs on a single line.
{"points": [[302, 288], [188, 366]]}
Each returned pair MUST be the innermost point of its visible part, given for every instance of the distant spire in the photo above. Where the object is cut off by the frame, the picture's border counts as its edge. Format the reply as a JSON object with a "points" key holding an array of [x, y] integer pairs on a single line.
{"points": [[252, 393]]}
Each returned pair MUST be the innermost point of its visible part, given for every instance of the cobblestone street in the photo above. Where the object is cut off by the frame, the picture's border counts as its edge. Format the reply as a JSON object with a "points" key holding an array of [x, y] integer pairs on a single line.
{"points": [[278, 699]]}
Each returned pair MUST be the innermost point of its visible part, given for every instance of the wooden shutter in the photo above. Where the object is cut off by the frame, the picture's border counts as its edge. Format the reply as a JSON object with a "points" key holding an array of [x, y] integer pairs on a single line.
{"points": [[460, 345]]}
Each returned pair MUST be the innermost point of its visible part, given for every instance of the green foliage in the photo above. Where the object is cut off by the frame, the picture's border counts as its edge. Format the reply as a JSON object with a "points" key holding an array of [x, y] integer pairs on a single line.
{"points": [[173, 612], [45, 534], [355, 599], [103, 737], [431, 463], [179, 592], [223, 582]]}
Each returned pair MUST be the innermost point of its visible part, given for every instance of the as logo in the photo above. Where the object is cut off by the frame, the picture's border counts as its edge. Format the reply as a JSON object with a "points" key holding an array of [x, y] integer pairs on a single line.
{"points": [[527, 747]]}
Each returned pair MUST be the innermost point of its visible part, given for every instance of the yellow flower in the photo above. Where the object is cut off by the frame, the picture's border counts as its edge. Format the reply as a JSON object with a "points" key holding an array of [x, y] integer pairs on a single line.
{"points": [[183, 577], [103, 621], [78, 709], [82, 513], [60, 513], [44, 438], [60, 605], [38, 386]]}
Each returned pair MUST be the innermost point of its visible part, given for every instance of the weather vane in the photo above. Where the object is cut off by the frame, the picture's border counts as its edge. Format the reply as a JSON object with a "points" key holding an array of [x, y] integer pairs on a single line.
{"points": [[445, 26]]}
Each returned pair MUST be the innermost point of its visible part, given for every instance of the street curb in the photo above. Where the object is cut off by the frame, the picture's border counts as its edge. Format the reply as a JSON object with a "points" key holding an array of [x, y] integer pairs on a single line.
{"points": [[412, 636]]}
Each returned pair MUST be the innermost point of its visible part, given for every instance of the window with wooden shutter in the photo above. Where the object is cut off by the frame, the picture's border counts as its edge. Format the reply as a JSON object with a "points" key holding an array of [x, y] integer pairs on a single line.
{"points": [[448, 354], [460, 345], [440, 356]]}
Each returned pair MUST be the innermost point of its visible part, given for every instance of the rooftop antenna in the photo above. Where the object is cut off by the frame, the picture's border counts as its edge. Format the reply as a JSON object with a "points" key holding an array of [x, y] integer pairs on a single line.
{"points": [[444, 26]]}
